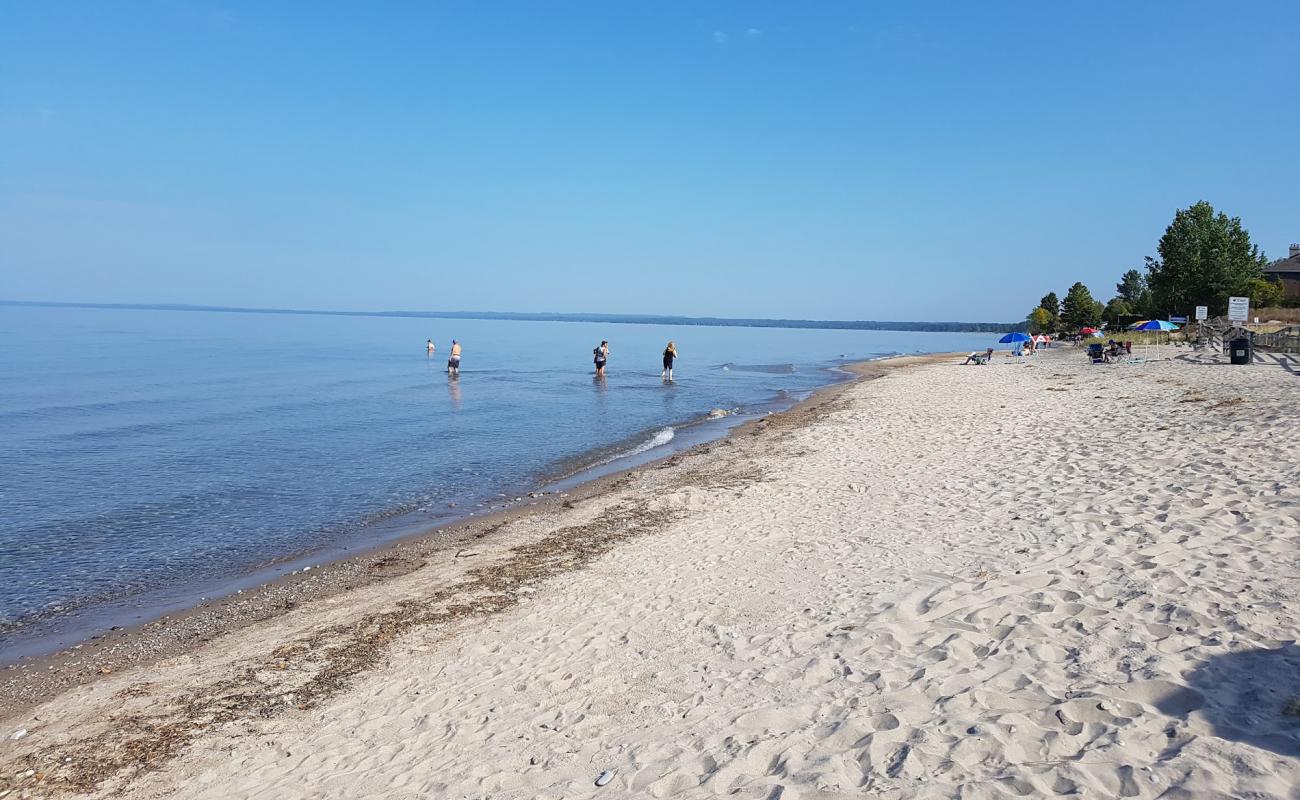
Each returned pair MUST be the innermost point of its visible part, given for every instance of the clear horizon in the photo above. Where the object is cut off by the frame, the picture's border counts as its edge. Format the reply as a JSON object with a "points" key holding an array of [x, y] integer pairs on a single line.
{"points": [[452, 313], [749, 160]]}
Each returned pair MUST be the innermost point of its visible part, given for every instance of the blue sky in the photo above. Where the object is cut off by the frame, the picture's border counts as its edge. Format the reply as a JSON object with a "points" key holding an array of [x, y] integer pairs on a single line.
{"points": [[857, 160]]}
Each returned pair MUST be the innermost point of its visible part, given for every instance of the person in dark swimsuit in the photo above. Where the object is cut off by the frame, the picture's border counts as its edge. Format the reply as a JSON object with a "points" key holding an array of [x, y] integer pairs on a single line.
{"points": [[601, 356], [670, 355]]}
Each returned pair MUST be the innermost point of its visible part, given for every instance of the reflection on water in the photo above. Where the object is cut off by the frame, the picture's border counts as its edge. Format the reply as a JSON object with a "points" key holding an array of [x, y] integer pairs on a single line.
{"points": [[669, 399], [453, 391]]}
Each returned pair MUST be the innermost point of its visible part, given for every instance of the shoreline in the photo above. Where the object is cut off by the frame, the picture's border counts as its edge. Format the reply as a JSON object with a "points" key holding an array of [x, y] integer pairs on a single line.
{"points": [[900, 588], [30, 680], [45, 636]]}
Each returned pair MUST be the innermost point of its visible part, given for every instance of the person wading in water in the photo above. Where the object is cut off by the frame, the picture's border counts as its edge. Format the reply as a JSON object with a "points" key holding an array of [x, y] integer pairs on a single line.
{"points": [[453, 360], [670, 355]]}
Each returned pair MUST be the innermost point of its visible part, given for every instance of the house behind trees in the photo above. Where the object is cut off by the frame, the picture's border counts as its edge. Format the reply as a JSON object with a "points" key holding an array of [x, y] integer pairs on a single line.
{"points": [[1286, 271]]}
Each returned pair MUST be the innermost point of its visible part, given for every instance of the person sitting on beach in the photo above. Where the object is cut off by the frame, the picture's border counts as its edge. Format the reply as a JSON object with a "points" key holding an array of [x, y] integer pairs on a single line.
{"points": [[979, 358], [670, 355], [601, 354], [453, 360]]}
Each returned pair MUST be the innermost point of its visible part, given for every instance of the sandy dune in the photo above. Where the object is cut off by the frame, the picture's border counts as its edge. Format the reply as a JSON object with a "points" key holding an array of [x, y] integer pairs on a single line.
{"points": [[1023, 580]]}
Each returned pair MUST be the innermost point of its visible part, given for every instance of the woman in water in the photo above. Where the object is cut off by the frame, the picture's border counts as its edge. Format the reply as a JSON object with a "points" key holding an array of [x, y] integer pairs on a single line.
{"points": [[453, 361], [670, 355], [602, 355], [429, 347]]}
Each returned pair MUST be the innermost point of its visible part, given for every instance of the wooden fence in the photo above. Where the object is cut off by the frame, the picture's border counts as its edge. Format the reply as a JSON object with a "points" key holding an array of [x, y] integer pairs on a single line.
{"points": [[1215, 334], [1286, 340]]}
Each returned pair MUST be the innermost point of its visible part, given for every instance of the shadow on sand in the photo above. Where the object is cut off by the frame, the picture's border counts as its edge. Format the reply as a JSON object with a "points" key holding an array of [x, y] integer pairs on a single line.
{"points": [[1289, 362], [1251, 696]]}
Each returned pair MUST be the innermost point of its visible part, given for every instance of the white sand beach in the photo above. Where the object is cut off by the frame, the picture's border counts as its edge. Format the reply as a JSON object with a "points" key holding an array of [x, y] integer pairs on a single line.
{"points": [[1036, 578]]}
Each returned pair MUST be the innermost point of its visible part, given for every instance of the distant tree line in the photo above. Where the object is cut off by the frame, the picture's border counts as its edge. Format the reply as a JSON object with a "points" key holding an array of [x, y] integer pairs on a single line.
{"points": [[1204, 258]]}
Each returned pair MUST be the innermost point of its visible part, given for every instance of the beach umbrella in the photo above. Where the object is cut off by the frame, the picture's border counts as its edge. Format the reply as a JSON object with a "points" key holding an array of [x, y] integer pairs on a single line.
{"points": [[1041, 339], [1018, 339], [1088, 331], [1153, 325], [1156, 325]]}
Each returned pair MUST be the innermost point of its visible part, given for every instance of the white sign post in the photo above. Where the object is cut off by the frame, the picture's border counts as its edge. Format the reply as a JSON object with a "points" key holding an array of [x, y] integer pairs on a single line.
{"points": [[1238, 309], [1202, 313]]}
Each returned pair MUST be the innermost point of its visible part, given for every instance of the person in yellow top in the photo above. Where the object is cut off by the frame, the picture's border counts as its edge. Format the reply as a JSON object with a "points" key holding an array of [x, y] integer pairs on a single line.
{"points": [[670, 355], [453, 360]]}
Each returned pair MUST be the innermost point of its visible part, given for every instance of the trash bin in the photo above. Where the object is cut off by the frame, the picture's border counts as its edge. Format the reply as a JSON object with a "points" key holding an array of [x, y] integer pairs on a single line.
{"points": [[1239, 351]]}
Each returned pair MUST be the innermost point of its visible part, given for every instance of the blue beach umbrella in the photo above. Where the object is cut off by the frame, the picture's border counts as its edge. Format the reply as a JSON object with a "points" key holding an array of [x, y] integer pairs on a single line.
{"points": [[1154, 325], [1018, 339]]}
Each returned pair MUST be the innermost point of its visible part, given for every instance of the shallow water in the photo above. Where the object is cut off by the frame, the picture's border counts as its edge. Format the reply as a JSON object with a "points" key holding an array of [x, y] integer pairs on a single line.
{"points": [[142, 450]]}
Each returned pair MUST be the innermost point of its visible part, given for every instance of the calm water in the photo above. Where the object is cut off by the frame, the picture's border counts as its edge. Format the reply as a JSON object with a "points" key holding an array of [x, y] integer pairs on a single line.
{"points": [[148, 456]]}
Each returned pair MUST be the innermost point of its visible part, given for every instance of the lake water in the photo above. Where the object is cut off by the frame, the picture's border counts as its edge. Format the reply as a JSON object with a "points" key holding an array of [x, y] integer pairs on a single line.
{"points": [[147, 457]]}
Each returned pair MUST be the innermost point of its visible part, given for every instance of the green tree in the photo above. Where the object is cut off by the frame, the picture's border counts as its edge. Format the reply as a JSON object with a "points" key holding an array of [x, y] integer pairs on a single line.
{"points": [[1117, 307], [1079, 309], [1204, 259], [1052, 306], [1264, 293], [1041, 321], [1133, 290], [1131, 287]]}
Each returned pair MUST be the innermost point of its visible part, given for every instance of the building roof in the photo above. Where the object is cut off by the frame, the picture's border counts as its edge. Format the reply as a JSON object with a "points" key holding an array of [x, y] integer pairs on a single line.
{"points": [[1284, 266]]}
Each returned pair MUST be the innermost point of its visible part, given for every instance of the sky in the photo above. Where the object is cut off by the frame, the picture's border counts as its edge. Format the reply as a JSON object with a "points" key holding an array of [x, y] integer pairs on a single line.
{"points": [[830, 160]]}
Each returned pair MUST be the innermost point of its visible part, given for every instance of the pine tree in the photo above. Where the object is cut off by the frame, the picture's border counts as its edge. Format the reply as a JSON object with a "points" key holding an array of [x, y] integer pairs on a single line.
{"points": [[1079, 309]]}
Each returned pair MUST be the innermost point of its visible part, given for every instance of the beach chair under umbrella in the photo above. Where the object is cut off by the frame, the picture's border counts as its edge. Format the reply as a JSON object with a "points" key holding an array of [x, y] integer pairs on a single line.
{"points": [[1016, 338]]}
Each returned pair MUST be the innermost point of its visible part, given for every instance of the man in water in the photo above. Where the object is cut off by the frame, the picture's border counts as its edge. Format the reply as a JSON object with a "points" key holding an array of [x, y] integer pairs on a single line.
{"points": [[602, 355], [429, 347], [453, 361]]}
